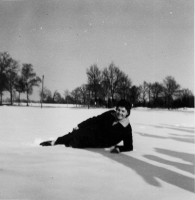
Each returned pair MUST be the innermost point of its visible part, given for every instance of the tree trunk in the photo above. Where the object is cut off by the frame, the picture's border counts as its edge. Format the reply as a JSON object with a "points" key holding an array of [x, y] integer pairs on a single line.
{"points": [[149, 98], [89, 100], [168, 102], [1, 98], [11, 96], [27, 99], [19, 99], [112, 98]]}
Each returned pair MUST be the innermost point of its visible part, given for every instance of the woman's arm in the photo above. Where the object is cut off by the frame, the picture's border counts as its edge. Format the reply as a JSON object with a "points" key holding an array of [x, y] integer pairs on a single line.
{"points": [[127, 140]]}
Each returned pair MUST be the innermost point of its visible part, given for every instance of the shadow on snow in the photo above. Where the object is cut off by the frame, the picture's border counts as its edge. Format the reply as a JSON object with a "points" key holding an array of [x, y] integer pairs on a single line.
{"points": [[177, 128], [185, 138], [150, 172]]}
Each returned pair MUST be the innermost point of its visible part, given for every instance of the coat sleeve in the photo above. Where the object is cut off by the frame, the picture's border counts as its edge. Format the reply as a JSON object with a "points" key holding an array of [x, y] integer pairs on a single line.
{"points": [[127, 140], [94, 120]]}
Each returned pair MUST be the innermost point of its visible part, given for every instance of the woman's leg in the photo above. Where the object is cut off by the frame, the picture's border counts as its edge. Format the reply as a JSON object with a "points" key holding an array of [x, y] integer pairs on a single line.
{"points": [[66, 139], [47, 143]]}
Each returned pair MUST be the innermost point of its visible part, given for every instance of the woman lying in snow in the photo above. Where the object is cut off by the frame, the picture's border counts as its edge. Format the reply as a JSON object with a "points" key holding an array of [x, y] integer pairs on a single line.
{"points": [[104, 131]]}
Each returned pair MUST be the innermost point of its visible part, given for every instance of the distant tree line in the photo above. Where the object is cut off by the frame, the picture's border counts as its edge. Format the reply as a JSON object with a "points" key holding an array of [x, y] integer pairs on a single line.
{"points": [[103, 88]]}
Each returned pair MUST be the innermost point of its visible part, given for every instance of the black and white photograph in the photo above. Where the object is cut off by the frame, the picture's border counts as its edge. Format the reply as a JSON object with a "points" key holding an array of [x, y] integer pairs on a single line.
{"points": [[97, 100]]}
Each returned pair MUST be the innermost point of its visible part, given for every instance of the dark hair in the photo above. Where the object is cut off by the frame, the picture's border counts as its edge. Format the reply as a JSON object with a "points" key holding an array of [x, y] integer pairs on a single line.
{"points": [[126, 104]]}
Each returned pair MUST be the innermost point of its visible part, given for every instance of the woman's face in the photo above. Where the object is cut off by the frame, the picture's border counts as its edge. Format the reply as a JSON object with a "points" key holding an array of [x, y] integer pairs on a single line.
{"points": [[121, 113]]}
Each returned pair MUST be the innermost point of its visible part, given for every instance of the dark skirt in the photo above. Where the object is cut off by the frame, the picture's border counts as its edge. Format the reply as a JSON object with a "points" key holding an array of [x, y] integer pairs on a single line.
{"points": [[88, 137]]}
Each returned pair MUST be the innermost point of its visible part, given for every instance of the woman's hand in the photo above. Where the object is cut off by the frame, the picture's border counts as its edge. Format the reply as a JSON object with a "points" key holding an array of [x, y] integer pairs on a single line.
{"points": [[114, 150], [75, 128]]}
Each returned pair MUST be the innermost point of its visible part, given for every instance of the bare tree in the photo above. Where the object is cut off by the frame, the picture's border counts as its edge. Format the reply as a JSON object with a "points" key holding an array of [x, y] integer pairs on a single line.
{"points": [[94, 79], [76, 95], [105, 85], [66, 94], [111, 79], [30, 79], [19, 86], [8, 73], [149, 89], [5, 60], [124, 86], [134, 95], [56, 97], [186, 98], [143, 92], [171, 88], [83, 93], [11, 73], [156, 91]]}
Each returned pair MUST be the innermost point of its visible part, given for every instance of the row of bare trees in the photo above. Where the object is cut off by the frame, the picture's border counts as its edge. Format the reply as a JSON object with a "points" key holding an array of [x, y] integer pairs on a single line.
{"points": [[110, 83], [13, 79], [103, 88], [167, 94]]}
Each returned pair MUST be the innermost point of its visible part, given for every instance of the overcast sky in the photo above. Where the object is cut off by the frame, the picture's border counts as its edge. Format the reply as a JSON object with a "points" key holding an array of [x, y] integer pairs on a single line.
{"points": [[147, 39]]}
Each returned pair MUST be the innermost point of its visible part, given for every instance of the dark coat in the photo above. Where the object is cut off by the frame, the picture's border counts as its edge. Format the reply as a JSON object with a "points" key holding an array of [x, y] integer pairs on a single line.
{"points": [[99, 132]]}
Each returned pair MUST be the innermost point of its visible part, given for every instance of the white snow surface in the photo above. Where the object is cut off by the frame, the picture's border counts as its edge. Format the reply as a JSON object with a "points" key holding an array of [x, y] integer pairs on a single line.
{"points": [[161, 167]]}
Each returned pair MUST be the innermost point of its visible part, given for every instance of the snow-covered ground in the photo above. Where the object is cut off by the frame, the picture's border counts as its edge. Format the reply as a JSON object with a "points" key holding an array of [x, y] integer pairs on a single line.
{"points": [[161, 166]]}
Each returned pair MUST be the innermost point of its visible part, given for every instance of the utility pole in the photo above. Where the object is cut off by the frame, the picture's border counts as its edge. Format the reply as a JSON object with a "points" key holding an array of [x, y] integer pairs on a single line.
{"points": [[42, 91]]}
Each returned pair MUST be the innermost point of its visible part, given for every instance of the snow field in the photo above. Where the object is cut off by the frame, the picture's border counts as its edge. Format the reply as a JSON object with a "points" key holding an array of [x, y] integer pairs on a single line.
{"points": [[160, 167]]}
